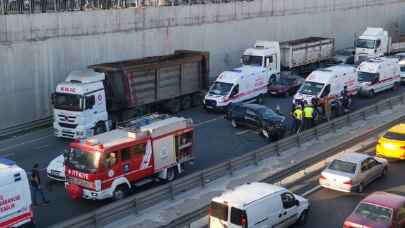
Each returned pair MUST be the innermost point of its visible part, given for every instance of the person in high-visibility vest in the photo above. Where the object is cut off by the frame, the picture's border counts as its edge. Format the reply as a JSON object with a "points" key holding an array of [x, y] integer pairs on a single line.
{"points": [[308, 116], [297, 115]]}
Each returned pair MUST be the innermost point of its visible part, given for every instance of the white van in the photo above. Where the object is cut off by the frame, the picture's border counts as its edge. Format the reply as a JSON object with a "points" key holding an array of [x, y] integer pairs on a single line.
{"points": [[261, 65], [15, 196], [378, 74], [257, 205], [328, 82]]}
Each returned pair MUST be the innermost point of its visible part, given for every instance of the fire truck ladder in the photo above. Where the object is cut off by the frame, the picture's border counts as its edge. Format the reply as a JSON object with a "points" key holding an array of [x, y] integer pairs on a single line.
{"points": [[133, 125]]}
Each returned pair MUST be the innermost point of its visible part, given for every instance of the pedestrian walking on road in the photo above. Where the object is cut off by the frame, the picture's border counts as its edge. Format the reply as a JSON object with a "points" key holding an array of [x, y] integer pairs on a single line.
{"points": [[327, 108], [36, 185]]}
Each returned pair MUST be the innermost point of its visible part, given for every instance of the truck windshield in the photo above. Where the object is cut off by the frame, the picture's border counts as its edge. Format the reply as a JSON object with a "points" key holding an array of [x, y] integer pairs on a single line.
{"points": [[363, 43], [83, 161], [252, 60], [70, 102], [221, 88], [367, 77], [374, 213], [311, 88]]}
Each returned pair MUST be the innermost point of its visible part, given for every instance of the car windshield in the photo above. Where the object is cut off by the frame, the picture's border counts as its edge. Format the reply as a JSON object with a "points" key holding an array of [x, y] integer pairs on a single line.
{"points": [[374, 213], [65, 101], [83, 161], [363, 43], [220, 88], [343, 166], [394, 136], [252, 60], [284, 81], [367, 77], [311, 88], [267, 113]]}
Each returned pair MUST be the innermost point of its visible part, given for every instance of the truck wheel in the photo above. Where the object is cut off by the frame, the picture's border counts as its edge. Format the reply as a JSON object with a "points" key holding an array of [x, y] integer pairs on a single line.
{"points": [[100, 128], [120, 192], [196, 100], [174, 106], [186, 102]]}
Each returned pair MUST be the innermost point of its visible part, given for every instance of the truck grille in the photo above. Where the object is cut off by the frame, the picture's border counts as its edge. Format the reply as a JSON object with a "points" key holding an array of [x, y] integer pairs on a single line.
{"points": [[212, 103], [65, 118], [66, 125]]}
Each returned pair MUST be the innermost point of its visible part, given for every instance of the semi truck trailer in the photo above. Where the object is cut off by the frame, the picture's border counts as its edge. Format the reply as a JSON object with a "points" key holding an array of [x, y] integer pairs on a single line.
{"points": [[92, 101]]}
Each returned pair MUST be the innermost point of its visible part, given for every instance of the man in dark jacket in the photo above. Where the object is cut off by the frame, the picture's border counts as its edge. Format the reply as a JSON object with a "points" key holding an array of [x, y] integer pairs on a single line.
{"points": [[36, 185]]}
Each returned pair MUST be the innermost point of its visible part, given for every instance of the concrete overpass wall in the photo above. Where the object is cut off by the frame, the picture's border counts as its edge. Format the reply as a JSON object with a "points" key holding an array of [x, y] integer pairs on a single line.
{"points": [[37, 51]]}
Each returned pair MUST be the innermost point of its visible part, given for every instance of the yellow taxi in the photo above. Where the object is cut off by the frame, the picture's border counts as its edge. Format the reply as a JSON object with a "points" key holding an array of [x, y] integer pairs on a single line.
{"points": [[392, 143]]}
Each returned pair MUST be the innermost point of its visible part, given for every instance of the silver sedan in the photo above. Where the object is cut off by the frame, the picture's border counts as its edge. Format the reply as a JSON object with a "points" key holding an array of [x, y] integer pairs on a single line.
{"points": [[352, 172]]}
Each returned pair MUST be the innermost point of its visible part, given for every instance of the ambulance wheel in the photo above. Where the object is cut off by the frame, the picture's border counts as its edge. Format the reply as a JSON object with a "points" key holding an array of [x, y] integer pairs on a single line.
{"points": [[186, 102], [259, 99], [120, 192], [29, 225], [171, 174], [100, 128], [371, 93]]}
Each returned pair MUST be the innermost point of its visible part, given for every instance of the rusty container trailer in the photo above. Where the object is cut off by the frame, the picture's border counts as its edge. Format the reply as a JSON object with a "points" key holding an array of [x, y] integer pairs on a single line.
{"points": [[172, 82]]}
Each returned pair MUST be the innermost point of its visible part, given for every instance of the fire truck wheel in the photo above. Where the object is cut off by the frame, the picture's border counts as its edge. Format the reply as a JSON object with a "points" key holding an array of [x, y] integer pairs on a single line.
{"points": [[120, 192], [171, 174]]}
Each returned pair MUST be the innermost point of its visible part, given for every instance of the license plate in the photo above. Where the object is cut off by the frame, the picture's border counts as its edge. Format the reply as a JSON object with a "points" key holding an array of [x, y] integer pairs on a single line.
{"points": [[55, 173], [209, 106], [273, 92]]}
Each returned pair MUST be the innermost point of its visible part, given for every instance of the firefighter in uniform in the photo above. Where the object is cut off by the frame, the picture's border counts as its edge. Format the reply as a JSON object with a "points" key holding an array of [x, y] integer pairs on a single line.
{"points": [[308, 116], [297, 115]]}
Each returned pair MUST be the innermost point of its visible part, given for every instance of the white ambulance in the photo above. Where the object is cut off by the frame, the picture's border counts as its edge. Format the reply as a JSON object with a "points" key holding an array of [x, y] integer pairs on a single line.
{"points": [[261, 64], [328, 83], [15, 196], [257, 205], [378, 74]]}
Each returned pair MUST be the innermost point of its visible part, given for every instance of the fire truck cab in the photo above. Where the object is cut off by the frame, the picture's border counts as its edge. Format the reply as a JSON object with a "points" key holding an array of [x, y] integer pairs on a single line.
{"points": [[109, 165]]}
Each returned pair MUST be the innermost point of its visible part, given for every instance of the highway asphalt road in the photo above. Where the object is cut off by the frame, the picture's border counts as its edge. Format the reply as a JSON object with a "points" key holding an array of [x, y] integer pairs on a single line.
{"points": [[330, 208], [216, 141]]}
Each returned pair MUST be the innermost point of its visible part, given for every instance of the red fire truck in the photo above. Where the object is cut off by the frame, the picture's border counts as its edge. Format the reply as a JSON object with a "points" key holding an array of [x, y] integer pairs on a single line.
{"points": [[137, 152]]}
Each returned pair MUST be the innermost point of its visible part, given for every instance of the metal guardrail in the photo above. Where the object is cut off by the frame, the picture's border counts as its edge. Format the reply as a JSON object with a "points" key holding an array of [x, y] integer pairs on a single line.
{"points": [[20, 128], [48, 6], [143, 200]]}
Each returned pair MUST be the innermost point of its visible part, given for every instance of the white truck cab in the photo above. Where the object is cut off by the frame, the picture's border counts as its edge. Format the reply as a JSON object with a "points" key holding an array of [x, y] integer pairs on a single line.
{"points": [[260, 65], [328, 83], [378, 74], [373, 42], [257, 205], [80, 108], [15, 196]]}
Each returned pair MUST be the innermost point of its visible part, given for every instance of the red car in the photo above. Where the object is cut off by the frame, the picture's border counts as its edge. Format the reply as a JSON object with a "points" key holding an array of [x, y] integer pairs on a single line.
{"points": [[285, 85], [378, 210]]}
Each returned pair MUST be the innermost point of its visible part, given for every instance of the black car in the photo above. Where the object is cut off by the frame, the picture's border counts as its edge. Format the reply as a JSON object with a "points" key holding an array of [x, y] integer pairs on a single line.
{"points": [[258, 117]]}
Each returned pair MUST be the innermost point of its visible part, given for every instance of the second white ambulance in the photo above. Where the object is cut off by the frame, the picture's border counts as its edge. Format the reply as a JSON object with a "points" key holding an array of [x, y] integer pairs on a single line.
{"points": [[378, 74]]}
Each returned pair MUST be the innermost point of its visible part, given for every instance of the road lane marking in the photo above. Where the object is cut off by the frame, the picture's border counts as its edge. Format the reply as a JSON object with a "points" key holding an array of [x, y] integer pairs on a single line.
{"points": [[24, 143], [207, 121], [312, 190], [242, 132]]}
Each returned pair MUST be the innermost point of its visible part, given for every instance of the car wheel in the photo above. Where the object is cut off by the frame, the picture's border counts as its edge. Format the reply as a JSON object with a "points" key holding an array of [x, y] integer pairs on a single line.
{"points": [[234, 124], [265, 133], [360, 189], [120, 192], [384, 172], [303, 218]]}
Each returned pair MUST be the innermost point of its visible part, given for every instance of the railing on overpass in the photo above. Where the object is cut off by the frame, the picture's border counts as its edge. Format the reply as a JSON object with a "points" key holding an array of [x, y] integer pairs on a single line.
{"points": [[48, 6], [146, 199]]}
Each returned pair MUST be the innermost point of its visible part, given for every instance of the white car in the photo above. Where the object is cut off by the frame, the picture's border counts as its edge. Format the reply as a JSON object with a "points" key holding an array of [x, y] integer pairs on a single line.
{"points": [[56, 169], [401, 59], [352, 172]]}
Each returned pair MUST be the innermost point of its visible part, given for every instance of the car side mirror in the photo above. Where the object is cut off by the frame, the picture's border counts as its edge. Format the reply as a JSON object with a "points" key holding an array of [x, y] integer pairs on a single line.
{"points": [[297, 202], [52, 98]]}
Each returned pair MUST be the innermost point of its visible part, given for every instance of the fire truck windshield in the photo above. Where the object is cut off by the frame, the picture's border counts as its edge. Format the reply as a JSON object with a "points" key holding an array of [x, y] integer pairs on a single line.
{"points": [[83, 161]]}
